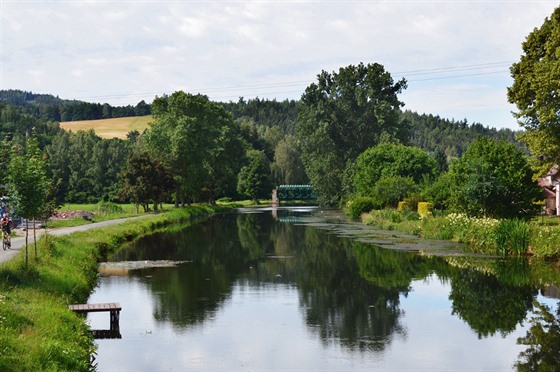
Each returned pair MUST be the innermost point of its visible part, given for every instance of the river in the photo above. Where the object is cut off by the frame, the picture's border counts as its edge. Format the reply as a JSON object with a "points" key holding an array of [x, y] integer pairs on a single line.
{"points": [[284, 289]]}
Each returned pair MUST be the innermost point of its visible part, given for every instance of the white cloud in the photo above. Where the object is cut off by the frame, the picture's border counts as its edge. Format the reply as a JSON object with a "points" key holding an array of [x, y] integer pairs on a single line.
{"points": [[162, 45]]}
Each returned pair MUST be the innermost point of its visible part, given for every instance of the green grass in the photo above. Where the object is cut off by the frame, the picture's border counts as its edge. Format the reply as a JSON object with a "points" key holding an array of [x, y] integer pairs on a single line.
{"points": [[37, 331]]}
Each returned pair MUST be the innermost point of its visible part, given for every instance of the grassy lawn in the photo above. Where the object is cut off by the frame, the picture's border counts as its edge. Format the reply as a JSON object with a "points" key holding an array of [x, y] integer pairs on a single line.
{"points": [[111, 211]]}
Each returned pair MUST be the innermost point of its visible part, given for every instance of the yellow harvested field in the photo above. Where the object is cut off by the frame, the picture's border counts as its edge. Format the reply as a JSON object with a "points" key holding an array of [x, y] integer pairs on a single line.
{"points": [[110, 128]]}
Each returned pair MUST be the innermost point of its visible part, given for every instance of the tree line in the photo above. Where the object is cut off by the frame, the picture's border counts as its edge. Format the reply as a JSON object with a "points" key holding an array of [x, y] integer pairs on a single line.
{"points": [[49, 107], [199, 150]]}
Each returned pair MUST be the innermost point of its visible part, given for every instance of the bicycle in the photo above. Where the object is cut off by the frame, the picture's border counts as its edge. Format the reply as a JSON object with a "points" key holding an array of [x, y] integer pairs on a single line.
{"points": [[6, 240]]}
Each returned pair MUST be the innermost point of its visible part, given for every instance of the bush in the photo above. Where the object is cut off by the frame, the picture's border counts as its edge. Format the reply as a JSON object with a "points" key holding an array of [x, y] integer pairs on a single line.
{"points": [[359, 205], [512, 236], [109, 208]]}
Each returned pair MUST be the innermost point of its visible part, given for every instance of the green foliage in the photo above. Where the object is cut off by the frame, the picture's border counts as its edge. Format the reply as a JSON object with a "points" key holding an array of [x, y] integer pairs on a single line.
{"points": [[494, 179], [544, 241], [109, 208], [542, 340], [536, 83], [479, 233], [388, 161], [49, 107], [27, 182], [512, 237], [145, 178], [388, 191], [287, 166], [254, 178], [391, 219], [432, 134], [439, 192], [197, 138], [359, 205], [441, 160], [342, 115], [85, 166]]}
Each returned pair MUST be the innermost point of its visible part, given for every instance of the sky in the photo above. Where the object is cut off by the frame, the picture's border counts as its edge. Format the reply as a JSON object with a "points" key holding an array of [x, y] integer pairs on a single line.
{"points": [[455, 55]]}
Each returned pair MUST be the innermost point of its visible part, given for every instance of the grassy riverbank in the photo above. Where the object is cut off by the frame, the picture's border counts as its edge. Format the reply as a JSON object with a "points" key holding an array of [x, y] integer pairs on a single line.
{"points": [[539, 238], [37, 331]]}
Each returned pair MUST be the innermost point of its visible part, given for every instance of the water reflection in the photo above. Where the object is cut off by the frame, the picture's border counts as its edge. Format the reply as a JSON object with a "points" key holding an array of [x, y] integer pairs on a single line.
{"points": [[350, 293], [542, 340]]}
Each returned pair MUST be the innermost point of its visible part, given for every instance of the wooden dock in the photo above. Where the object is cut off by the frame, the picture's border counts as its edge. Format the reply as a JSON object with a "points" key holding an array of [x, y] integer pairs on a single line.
{"points": [[113, 308]]}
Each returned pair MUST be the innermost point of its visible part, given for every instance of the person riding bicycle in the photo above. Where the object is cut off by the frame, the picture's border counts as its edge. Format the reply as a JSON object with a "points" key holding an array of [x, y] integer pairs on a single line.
{"points": [[6, 224]]}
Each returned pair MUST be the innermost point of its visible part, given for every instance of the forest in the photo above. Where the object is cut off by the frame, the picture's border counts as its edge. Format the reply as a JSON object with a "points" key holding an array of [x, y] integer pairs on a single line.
{"points": [[242, 152]]}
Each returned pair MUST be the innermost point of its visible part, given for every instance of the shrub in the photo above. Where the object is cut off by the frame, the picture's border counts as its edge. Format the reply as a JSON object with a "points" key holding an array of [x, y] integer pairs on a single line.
{"points": [[412, 202], [546, 239], [359, 205], [512, 236], [109, 208]]}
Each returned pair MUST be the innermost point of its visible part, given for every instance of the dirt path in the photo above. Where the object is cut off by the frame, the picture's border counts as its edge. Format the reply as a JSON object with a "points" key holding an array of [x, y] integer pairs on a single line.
{"points": [[19, 242]]}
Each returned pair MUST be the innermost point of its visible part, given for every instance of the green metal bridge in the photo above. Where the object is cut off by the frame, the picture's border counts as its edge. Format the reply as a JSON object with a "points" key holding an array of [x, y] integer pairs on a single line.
{"points": [[293, 192]]}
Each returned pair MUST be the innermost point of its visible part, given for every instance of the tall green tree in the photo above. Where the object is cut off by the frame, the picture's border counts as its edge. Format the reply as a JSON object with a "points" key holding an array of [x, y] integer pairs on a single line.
{"points": [[254, 178], [27, 183], [536, 83], [287, 166], [145, 179], [494, 179], [342, 115], [187, 133]]}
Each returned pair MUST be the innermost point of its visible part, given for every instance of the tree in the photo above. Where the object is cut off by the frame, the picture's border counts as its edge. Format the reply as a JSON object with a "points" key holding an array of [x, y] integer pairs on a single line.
{"points": [[341, 116], [145, 179], [493, 179], [254, 178], [388, 191], [187, 133], [441, 160], [536, 83], [439, 192], [288, 167], [27, 183], [225, 162], [391, 160]]}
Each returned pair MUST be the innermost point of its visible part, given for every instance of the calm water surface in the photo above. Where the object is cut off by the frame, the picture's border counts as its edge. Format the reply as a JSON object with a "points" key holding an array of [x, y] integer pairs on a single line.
{"points": [[301, 289]]}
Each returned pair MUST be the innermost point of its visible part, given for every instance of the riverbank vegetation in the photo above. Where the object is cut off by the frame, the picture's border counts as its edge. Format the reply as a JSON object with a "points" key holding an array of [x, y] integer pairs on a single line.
{"points": [[514, 237], [37, 331]]}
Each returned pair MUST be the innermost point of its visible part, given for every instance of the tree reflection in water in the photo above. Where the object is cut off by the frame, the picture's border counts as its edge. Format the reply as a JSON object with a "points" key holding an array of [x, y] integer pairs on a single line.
{"points": [[349, 291], [543, 341]]}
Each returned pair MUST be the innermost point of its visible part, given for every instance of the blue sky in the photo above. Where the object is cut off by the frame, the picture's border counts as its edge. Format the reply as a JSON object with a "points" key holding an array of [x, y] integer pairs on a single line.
{"points": [[455, 54]]}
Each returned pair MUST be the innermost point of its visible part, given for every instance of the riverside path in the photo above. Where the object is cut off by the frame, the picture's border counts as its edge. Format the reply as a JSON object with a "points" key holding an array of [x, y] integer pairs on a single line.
{"points": [[19, 242]]}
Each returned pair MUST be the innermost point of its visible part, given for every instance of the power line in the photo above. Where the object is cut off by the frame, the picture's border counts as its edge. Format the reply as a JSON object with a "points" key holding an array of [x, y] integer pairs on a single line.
{"points": [[440, 73]]}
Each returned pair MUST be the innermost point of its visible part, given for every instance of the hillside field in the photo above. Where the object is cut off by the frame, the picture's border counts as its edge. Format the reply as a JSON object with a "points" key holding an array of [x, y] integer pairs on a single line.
{"points": [[110, 128]]}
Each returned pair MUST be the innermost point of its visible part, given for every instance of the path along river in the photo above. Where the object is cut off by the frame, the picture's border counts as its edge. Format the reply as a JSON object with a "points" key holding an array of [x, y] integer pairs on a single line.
{"points": [[303, 289], [17, 243]]}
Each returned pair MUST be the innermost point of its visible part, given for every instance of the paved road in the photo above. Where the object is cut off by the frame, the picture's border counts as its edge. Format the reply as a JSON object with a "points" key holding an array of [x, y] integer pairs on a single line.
{"points": [[19, 242]]}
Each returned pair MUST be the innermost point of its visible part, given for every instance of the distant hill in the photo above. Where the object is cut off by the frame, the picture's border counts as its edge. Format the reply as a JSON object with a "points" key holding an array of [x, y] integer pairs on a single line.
{"points": [[427, 131], [49, 107], [110, 128]]}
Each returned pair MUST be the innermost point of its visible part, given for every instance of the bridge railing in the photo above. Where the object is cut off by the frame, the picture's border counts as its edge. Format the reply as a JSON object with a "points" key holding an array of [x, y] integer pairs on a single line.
{"points": [[294, 192]]}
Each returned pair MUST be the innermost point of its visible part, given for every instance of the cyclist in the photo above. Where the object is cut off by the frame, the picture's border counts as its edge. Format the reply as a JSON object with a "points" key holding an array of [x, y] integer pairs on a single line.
{"points": [[6, 225]]}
